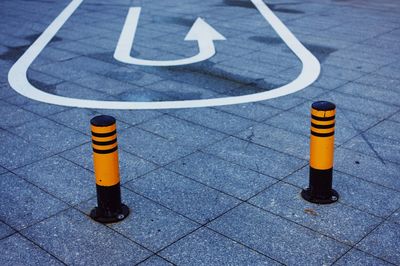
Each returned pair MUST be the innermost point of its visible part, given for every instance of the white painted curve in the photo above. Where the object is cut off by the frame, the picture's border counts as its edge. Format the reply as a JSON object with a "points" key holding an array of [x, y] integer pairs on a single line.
{"points": [[18, 80]]}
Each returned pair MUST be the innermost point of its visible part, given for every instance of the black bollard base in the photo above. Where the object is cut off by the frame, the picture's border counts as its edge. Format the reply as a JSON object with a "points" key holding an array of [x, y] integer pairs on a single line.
{"points": [[307, 195], [106, 217]]}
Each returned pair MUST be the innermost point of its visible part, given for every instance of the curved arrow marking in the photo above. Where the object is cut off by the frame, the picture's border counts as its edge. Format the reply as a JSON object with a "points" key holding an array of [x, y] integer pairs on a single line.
{"points": [[17, 76], [201, 32]]}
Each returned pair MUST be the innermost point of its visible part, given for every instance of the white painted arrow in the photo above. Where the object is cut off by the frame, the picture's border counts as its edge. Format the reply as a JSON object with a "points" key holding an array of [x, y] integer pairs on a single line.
{"points": [[201, 32], [18, 79]]}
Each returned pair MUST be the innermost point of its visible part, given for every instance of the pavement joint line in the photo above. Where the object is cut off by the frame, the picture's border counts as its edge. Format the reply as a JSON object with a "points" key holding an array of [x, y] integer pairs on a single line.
{"points": [[370, 232]]}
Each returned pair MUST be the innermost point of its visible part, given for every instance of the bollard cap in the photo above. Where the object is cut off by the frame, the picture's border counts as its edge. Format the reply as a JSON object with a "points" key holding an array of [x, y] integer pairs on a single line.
{"points": [[102, 121], [323, 106]]}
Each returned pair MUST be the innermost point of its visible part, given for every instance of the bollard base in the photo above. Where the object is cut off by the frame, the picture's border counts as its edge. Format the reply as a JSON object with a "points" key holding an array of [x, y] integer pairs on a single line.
{"points": [[101, 216], [306, 194]]}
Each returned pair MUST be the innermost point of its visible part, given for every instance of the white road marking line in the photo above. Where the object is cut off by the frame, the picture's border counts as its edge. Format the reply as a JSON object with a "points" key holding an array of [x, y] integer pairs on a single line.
{"points": [[201, 32], [18, 80]]}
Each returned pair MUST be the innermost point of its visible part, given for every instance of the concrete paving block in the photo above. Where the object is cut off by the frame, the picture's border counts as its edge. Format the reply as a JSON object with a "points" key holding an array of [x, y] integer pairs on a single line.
{"points": [[14, 116], [343, 223], [50, 135], [358, 258], [255, 157], [18, 152], [384, 242], [183, 195], [149, 224], [151, 147], [277, 139], [254, 227], [362, 195], [222, 175], [205, 247], [61, 178], [367, 167], [72, 230], [182, 132], [16, 250], [5, 230], [24, 204]]}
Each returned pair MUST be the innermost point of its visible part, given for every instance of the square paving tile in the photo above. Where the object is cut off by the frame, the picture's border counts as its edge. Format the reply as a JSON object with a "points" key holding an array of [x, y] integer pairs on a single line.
{"points": [[149, 224], [39, 108], [387, 129], [255, 157], [72, 230], [155, 261], [183, 195], [50, 135], [252, 111], [151, 147], [18, 152], [230, 178], [5, 230], [358, 258], [205, 247], [359, 194], [374, 145], [14, 116], [384, 242], [338, 221], [277, 238], [16, 250], [278, 139], [368, 167], [182, 132], [212, 118], [61, 178], [24, 204]]}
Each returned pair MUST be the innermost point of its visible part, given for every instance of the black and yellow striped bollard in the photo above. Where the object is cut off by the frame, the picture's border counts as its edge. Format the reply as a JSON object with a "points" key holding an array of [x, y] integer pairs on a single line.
{"points": [[321, 154], [106, 169]]}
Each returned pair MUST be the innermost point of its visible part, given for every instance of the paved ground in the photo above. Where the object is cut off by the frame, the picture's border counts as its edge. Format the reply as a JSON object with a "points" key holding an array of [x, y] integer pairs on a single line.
{"points": [[211, 186]]}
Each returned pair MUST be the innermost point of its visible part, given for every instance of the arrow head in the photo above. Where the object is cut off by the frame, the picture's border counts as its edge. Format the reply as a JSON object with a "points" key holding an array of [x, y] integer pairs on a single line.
{"points": [[201, 30]]}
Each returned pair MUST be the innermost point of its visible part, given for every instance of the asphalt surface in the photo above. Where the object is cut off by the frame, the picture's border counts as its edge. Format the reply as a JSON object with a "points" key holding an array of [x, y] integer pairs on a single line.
{"points": [[206, 186]]}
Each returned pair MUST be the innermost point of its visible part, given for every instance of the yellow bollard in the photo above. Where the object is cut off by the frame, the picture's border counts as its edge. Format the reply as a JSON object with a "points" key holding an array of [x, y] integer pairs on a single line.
{"points": [[322, 145], [106, 169]]}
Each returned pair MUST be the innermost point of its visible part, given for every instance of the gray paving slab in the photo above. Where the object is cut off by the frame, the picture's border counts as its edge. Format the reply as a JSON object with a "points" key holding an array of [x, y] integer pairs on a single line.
{"points": [[155, 261], [72, 90], [151, 147], [255, 157], [18, 152], [386, 129], [50, 135], [370, 168], [132, 76], [182, 132], [150, 224], [79, 119], [252, 226], [252, 111], [230, 178], [338, 221], [359, 258], [383, 242], [214, 119], [16, 250], [183, 195], [278, 139], [72, 230], [14, 116], [205, 247], [379, 81], [131, 117], [373, 145], [39, 108], [24, 204], [395, 217], [356, 192], [5, 230], [61, 178]]}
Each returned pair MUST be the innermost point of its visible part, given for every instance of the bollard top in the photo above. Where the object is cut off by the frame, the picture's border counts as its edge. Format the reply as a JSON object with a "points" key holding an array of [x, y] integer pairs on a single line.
{"points": [[323, 106], [102, 121]]}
